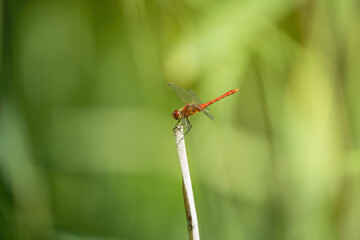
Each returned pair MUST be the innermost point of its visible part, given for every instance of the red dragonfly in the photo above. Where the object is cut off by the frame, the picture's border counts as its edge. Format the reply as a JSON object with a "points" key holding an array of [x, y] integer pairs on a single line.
{"points": [[193, 105]]}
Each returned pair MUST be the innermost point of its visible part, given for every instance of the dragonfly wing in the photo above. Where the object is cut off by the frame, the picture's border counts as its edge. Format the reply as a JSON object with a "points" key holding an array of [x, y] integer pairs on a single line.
{"points": [[194, 97], [182, 93], [207, 113], [197, 100]]}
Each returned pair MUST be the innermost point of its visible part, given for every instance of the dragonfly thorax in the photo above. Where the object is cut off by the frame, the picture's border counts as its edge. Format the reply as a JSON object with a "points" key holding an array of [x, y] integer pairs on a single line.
{"points": [[176, 114]]}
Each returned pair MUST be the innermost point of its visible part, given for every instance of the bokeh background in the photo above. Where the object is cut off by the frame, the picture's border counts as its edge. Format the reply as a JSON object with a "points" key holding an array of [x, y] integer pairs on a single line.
{"points": [[86, 143]]}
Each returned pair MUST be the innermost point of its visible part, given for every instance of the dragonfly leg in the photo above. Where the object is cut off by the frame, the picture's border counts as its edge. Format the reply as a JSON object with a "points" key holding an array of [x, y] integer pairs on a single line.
{"points": [[186, 123], [188, 126], [178, 122], [183, 123]]}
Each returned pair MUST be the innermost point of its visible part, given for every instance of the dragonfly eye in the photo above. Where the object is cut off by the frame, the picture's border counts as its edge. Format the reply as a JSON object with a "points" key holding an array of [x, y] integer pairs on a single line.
{"points": [[176, 114]]}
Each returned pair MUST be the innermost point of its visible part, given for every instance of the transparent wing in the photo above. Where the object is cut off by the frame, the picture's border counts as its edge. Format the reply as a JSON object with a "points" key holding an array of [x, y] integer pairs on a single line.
{"points": [[194, 97], [182, 93], [197, 100], [207, 113]]}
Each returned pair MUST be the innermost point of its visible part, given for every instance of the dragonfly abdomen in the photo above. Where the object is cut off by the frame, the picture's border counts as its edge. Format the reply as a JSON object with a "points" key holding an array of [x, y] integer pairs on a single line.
{"points": [[231, 92]]}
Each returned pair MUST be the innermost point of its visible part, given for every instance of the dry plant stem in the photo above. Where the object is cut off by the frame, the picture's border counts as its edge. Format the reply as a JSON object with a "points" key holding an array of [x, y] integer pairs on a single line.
{"points": [[193, 227]]}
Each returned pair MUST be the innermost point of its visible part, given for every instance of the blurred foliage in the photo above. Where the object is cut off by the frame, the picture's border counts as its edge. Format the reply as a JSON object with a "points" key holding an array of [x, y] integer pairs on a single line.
{"points": [[86, 142]]}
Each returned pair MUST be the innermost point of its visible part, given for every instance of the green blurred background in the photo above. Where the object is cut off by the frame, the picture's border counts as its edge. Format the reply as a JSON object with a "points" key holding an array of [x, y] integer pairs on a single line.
{"points": [[86, 143]]}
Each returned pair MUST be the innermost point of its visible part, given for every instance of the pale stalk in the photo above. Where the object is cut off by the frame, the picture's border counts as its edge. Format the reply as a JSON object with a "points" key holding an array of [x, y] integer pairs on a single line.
{"points": [[193, 227]]}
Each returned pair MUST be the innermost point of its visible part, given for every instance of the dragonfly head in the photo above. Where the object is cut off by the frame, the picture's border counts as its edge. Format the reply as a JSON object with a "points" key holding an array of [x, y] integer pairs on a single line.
{"points": [[176, 114]]}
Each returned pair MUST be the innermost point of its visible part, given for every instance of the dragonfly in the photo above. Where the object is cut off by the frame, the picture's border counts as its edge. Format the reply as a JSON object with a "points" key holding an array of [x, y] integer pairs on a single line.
{"points": [[193, 105]]}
